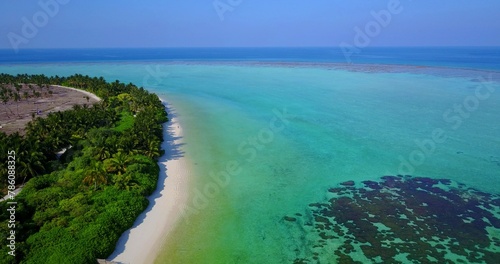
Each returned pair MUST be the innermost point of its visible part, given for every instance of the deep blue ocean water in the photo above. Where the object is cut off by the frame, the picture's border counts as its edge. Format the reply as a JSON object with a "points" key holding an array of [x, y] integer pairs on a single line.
{"points": [[461, 57]]}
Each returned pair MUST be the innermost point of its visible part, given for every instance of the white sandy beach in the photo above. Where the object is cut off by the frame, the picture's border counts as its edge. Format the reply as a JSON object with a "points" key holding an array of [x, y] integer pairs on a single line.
{"points": [[141, 243], [89, 94]]}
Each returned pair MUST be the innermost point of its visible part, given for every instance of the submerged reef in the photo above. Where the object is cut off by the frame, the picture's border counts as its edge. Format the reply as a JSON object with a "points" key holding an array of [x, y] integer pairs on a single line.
{"points": [[399, 219]]}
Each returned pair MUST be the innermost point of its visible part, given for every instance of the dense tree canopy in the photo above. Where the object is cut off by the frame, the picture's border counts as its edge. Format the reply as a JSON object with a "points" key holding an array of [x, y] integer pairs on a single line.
{"points": [[73, 208]]}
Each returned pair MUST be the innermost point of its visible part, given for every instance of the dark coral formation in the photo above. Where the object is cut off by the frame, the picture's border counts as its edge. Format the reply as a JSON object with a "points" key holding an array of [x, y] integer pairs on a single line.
{"points": [[410, 219]]}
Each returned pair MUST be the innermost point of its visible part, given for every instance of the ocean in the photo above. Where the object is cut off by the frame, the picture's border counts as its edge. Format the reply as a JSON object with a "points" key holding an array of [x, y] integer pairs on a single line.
{"points": [[462, 57], [299, 157]]}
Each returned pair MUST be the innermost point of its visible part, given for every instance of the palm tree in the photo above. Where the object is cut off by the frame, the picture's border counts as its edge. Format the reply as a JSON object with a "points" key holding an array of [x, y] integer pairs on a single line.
{"points": [[102, 153], [30, 164], [57, 141], [118, 164], [17, 98], [152, 150], [125, 182], [97, 175]]}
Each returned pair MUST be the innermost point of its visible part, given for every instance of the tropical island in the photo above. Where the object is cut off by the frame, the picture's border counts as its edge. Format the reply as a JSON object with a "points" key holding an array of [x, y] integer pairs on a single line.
{"points": [[76, 203]]}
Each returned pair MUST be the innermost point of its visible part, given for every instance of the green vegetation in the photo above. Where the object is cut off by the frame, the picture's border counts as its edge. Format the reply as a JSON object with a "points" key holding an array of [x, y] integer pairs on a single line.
{"points": [[126, 121], [74, 208]]}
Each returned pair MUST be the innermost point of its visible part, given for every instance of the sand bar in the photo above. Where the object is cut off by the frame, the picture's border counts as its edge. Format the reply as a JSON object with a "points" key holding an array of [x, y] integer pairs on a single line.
{"points": [[141, 243]]}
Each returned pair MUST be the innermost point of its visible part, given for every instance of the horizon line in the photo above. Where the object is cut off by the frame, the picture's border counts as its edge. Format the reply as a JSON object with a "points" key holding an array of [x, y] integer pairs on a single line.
{"points": [[249, 47]]}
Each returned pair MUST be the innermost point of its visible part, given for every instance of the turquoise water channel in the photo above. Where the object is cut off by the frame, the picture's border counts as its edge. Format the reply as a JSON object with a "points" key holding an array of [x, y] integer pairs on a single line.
{"points": [[265, 141]]}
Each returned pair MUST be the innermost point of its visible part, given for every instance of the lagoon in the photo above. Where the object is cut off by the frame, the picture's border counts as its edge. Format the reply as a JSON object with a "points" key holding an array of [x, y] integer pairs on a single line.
{"points": [[267, 139]]}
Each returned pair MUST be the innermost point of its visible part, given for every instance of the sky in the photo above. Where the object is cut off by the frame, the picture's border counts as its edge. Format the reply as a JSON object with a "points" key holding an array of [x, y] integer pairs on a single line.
{"points": [[245, 23]]}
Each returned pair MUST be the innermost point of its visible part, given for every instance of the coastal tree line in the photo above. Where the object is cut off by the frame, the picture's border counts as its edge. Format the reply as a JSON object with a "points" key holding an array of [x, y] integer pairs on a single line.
{"points": [[74, 206]]}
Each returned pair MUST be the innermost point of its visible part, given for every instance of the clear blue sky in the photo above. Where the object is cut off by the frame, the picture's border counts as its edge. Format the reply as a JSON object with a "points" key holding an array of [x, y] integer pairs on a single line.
{"points": [[182, 23]]}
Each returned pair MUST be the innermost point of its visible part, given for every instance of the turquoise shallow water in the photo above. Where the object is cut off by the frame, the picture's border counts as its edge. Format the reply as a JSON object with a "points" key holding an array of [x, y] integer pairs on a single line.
{"points": [[277, 138]]}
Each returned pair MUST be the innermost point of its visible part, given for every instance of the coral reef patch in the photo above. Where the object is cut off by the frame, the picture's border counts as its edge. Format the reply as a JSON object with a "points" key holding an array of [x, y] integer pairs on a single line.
{"points": [[399, 219]]}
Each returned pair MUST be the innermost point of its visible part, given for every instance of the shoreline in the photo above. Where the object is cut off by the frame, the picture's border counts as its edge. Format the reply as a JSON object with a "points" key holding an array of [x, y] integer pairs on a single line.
{"points": [[89, 94], [143, 241]]}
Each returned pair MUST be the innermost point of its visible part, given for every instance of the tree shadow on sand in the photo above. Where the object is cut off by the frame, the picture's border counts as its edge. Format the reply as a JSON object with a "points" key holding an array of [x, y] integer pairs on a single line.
{"points": [[173, 151]]}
